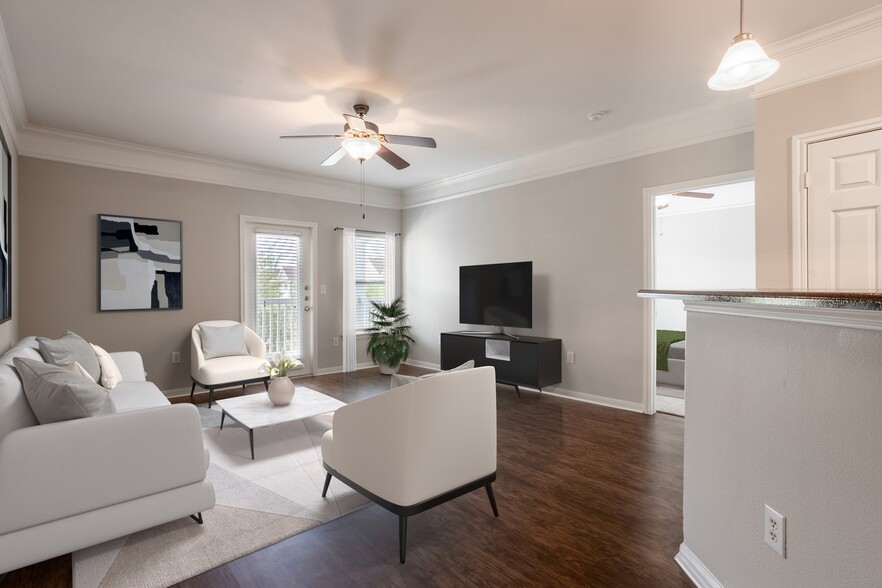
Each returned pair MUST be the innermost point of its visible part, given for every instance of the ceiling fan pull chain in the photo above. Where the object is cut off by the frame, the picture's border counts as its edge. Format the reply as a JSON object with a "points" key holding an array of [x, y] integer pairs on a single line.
{"points": [[362, 188]]}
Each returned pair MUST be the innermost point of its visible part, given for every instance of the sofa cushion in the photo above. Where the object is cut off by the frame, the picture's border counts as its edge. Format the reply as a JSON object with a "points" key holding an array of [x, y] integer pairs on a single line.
{"points": [[223, 341], [401, 380], [55, 393], [110, 374], [128, 396], [70, 348]]}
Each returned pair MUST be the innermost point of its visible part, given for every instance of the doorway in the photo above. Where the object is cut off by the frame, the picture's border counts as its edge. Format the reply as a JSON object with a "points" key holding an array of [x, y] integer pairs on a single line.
{"points": [[701, 237], [277, 275]]}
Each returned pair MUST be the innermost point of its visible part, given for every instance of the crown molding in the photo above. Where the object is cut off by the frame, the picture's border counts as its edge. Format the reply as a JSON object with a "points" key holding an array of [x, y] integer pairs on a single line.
{"points": [[683, 129], [845, 45], [77, 148], [12, 105]]}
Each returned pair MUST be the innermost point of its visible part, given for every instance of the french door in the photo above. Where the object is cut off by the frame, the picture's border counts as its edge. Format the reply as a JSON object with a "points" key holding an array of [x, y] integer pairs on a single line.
{"points": [[278, 296]]}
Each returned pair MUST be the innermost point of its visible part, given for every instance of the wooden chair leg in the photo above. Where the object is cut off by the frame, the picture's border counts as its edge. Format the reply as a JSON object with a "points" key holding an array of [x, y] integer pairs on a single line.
{"points": [[402, 536], [492, 498]]}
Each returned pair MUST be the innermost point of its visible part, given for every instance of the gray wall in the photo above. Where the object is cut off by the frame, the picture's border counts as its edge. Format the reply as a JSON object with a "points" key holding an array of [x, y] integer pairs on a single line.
{"points": [[58, 260], [584, 233], [786, 414]]}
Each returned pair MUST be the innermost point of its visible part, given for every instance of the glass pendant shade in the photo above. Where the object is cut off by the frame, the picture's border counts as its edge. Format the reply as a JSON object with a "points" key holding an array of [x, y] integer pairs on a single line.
{"points": [[361, 148], [744, 64]]}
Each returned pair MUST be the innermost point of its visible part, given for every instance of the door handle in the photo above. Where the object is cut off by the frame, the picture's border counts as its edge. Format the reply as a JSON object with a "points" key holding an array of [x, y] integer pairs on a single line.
{"points": [[306, 309]]}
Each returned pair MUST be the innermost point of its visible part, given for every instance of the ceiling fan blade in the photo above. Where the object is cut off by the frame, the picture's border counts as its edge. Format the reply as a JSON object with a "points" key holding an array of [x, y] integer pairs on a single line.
{"points": [[705, 195], [334, 157], [411, 140], [356, 123], [392, 159], [310, 136]]}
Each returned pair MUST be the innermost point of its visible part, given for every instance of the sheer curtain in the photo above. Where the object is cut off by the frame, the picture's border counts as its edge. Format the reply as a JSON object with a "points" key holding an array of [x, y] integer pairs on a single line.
{"points": [[390, 267], [350, 351]]}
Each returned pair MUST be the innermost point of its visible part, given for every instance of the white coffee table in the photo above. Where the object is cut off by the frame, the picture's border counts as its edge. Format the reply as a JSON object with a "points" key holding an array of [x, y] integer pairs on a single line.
{"points": [[254, 411]]}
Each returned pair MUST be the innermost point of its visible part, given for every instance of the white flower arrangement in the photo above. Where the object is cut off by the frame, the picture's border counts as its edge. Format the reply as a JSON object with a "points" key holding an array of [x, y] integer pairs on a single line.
{"points": [[279, 365]]}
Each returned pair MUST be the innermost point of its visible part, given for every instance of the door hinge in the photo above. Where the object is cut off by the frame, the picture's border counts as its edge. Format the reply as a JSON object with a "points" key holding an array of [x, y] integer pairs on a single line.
{"points": [[805, 181]]}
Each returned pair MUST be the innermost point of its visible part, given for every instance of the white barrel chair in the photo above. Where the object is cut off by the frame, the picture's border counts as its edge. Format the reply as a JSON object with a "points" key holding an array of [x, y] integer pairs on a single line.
{"points": [[418, 445], [227, 371]]}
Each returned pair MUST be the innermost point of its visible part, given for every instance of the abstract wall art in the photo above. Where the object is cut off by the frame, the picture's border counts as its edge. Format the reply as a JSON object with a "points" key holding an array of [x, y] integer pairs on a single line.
{"points": [[140, 263], [6, 234]]}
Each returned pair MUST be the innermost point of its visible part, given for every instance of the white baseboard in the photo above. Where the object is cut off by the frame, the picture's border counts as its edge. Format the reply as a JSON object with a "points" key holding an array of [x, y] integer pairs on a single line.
{"points": [[338, 369], [697, 572], [423, 364], [593, 399], [175, 392]]}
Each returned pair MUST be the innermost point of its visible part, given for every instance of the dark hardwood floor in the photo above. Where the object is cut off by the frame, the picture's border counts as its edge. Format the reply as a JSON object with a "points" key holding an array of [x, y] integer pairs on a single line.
{"points": [[588, 496]]}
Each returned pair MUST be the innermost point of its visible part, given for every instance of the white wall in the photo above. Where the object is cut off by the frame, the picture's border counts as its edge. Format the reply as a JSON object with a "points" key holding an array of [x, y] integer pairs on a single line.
{"points": [[709, 248], [786, 414], [584, 233]]}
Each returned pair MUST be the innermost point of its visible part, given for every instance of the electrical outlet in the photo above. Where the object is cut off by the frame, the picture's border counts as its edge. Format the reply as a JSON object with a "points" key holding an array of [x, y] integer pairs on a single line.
{"points": [[324, 289], [774, 530], [176, 357], [571, 357], [336, 341]]}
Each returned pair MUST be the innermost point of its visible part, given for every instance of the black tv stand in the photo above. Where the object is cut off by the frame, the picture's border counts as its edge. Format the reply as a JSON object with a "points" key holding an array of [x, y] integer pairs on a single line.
{"points": [[501, 332], [530, 361]]}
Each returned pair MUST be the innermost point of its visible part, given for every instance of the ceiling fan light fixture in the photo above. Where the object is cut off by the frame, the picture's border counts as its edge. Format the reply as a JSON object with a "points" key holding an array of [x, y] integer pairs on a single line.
{"points": [[662, 201], [744, 63], [361, 148]]}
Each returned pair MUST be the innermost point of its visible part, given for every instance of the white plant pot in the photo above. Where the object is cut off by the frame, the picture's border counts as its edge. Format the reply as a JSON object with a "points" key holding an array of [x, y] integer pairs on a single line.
{"points": [[281, 391], [388, 370]]}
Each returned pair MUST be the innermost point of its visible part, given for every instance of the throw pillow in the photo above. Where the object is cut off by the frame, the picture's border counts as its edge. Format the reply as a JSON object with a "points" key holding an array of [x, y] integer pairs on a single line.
{"points": [[70, 348], [401, 380], [223, 341], [110, 374], [56, 394], [76, 368]]}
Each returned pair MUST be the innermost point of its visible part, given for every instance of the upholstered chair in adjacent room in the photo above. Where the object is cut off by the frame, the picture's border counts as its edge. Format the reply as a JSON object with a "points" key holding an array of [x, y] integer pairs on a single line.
{"points": [[229, 354], [418, 445]]}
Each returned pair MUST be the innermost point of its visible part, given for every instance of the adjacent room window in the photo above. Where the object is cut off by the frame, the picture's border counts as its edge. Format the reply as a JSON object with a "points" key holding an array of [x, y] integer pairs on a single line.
{"points": [[370, 275]]}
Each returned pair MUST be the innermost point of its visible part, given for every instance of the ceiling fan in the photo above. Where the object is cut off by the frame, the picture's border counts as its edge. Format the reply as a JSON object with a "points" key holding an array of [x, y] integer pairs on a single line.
{"points": [[362, 139], [664, 200]]}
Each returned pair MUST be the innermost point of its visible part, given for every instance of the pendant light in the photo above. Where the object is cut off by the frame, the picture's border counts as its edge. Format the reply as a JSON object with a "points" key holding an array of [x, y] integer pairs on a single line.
{"points": [[361, 148], [744, 64]]}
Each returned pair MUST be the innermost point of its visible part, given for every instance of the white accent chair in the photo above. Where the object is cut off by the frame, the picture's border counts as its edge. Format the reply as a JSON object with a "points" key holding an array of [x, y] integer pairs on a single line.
{"points": [[227, 371], [418, 445]]}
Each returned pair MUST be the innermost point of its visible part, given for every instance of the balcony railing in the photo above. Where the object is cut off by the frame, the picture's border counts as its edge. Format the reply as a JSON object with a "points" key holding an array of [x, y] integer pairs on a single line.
{"points": [[278, 324]]}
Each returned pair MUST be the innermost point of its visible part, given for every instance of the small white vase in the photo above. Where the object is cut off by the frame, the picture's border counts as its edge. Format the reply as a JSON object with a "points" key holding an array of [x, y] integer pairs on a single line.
{"points": [[388, 370], [281, 391]]}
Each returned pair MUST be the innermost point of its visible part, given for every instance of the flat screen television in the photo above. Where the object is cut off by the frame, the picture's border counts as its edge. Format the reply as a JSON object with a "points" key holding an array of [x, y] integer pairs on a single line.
{"points": [[497, 295]]}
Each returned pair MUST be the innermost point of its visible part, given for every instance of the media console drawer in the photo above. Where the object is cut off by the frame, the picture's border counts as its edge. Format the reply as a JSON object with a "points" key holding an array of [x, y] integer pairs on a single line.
{"points": [[532, 361]]}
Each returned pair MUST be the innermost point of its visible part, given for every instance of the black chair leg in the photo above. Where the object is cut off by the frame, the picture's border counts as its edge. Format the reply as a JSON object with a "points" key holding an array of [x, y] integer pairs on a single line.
{"points": [[402, 536], [210, 394], [197, 517], [492, 498], [266, 385], [327, 483], [192, 389]]}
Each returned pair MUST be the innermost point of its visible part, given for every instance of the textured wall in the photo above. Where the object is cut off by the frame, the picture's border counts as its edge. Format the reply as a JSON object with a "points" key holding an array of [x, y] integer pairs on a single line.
{"points": [[584, 233], [58, 263], [785, 414]]}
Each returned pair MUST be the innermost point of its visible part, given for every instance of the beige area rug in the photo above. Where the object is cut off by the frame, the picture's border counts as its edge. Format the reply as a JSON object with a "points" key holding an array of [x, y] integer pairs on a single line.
{"points": [[259, 503]]}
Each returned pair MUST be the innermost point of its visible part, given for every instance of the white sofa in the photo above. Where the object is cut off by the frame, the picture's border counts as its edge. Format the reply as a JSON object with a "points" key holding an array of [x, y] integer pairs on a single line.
{"points": [[418, 445], [68, 485]]}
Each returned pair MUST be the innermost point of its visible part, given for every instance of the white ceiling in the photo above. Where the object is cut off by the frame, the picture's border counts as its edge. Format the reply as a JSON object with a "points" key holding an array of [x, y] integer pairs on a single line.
{"points": [[492, 81]]}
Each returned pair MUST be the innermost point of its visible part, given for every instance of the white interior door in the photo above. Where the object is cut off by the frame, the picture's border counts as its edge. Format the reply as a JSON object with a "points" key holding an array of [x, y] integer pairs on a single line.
{"points": [[844, 205], [278, 289]]}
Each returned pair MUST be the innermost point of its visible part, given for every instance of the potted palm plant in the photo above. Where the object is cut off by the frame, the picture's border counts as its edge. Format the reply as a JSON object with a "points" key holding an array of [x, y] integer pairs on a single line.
{"points": [[390, 340]]}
